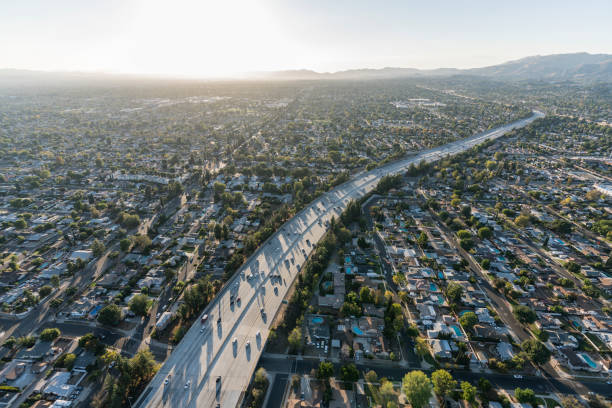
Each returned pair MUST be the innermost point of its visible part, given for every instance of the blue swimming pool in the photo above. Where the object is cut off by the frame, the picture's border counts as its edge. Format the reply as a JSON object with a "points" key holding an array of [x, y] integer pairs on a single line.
{"points": [[95, 310], [347, 259], [587, 359], [440, 275], [433, 287], [440, 299], [357, 330], [457, 330], [348, 270], [317, 320]]}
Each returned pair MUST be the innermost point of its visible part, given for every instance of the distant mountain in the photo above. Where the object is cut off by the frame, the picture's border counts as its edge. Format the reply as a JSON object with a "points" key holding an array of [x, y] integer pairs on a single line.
{"points": [[592, 67], [559, 67], [582, 67]]}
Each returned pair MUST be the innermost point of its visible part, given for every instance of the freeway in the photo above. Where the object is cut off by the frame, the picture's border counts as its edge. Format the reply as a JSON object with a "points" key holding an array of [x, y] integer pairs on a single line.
{"points": [[214, 362]]}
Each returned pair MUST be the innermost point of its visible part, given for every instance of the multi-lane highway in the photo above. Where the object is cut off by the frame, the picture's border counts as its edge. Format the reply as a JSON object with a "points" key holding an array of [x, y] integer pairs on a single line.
{"points": [[214, 362]]}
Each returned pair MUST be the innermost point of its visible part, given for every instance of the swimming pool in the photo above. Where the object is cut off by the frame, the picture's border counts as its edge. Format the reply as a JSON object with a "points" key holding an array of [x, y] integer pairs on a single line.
{"points": [[348, 270], [457, 330], [317, 320], [357, 330], [441, 300], [433, 287], [327, 285], [587, 359], [347, 259], [440, 275]]}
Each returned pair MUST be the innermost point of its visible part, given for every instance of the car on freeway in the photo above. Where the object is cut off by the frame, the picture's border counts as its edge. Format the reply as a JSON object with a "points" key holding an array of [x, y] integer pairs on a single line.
{"points": [[204, 318], [188, 384], [517, 376], [167, 380]]}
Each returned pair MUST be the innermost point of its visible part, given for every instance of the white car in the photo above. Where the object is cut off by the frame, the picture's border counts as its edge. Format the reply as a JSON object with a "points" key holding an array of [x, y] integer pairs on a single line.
{"points": [[517, 376], [248, 344], [188, 384]]}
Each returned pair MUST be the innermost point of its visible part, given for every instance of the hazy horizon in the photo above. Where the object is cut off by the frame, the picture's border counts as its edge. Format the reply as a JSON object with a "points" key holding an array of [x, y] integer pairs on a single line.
{"points": [[213, 39]]}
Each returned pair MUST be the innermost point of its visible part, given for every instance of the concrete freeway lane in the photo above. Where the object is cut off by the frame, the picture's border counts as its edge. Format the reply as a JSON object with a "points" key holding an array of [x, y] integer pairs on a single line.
{"points": [[214, 362]]}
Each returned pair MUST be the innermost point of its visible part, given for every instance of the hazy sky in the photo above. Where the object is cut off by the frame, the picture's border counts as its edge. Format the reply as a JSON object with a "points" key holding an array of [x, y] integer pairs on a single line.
{"points": [[225, 37]]}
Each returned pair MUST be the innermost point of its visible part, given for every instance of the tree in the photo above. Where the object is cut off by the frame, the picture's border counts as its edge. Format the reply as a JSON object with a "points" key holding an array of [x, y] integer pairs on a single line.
{"points": [[422, 240], [140, 304], [66, 361], [522, 220], [387, 392], [141, 241], [572, 266], [524, 314], [349, 373], [50, 334], [593, 195], [466, 211], [421, 347], [484, 385], [536, 351], [125, 244], [20, 223], [417, 388], [110, 315], [55, 281], [371, 376], [485, 233], [45, 291], [454, 292], [325, 370], [468, 320], [261, 377], [97, 248], [525, 395], [295, 339], [443, 383], [464, 234], [469, 392]]}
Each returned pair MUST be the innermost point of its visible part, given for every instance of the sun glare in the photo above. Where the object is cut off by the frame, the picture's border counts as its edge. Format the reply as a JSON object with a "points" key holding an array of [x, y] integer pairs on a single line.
{"points": [[212, 38]]}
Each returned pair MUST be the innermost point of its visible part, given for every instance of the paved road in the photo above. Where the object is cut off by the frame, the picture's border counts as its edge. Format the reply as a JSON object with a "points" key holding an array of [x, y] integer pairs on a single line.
{"points": [[539, 384], [214, 365], [277, 391]]}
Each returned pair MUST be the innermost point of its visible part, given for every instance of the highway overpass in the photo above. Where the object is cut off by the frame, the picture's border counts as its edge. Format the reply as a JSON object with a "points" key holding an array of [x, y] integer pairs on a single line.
{"points": [[214, 362]]}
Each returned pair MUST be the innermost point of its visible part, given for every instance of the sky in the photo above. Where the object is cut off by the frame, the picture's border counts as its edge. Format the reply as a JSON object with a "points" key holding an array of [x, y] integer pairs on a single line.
{"points": [[224, 38]]}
